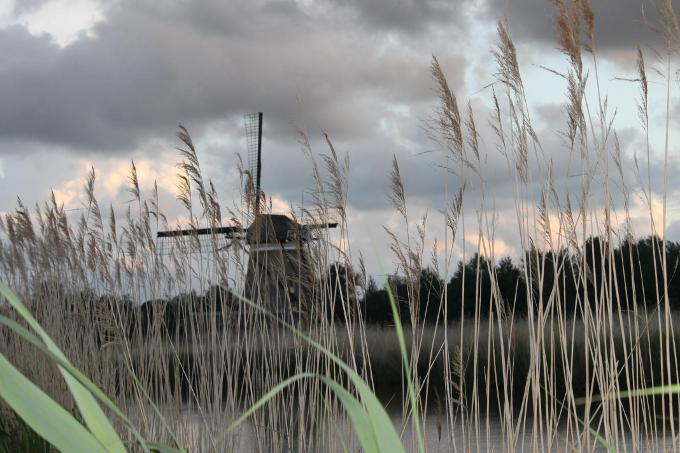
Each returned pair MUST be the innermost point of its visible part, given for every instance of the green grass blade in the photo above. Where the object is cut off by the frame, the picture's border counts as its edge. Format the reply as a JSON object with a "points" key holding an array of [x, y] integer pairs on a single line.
{"points": [[598, 437], [268, 396], [92, 414], [80, 377], [382, 425], [155, 408], [358, 416], [380, 422], [635, 393], [42, 414], [413, 399], [650, 391]]}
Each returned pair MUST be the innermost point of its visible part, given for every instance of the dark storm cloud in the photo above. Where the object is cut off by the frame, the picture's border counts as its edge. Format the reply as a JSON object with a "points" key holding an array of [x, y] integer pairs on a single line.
{"points": [[411, 16], [618, 23], [148, 67]]}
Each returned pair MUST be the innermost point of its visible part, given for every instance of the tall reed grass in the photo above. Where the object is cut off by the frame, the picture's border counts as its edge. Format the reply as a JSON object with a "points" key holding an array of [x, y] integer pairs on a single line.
{"points": [[530, 383]]}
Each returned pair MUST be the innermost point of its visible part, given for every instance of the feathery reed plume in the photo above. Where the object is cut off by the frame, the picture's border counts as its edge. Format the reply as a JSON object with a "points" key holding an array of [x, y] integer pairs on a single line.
{"points": [[133, 180], [338, 178], [191, 168], [589, 19], [397, 195], [473, 135], [521, 132], [568, 26], [453, 213], [670, 25], [183, 187], [643, 102], [448, 121], [248, 187], [505, 54], [544, 222]]}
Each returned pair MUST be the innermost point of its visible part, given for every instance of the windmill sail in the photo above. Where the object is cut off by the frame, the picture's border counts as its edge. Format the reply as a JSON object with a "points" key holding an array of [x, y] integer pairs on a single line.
{"points": [[253, 126], [279, 275]]}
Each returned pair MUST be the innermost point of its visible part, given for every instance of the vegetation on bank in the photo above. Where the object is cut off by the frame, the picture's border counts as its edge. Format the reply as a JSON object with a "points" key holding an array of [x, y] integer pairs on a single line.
{"points": [[631, 261]]}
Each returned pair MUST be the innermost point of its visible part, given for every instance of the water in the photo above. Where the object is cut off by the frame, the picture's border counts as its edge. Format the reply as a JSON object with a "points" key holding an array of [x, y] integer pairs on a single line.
{"points": [[488, 436]]}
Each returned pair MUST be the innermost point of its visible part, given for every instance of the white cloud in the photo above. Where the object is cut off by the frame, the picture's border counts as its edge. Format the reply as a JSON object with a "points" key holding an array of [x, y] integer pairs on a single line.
{"points": [[5, 12], [63, 20]]}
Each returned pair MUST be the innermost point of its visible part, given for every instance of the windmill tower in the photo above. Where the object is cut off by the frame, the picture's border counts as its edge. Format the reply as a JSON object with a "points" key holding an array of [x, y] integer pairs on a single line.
{"points": [[279, 275]]}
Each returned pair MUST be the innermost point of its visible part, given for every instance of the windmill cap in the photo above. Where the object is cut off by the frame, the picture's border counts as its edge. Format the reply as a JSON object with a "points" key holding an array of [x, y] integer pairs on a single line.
{"points": [[273, 228]]}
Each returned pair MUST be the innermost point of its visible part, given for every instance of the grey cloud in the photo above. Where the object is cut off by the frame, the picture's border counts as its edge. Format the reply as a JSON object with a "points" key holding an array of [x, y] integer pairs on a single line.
{"points": [[146, 68], [286, 172], [411, 16], [618, 24], [25, 6], [50, 172]]}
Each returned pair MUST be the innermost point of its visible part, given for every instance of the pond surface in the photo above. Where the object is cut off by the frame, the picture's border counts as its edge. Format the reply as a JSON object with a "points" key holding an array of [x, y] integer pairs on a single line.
{"points": [[489, 436]]}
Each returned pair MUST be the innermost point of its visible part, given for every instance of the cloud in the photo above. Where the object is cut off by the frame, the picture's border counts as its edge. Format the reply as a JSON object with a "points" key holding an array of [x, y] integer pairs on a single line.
{"points": [[146, 68], [24, 6], [618, 25], [358, 70], [409, 16], [76, 18]]}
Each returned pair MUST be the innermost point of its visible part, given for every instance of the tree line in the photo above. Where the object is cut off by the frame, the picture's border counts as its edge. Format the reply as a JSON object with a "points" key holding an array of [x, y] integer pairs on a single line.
{"points": [[631, 273]]}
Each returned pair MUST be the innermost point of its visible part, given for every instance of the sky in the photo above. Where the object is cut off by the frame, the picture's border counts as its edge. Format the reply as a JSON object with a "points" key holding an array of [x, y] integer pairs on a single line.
{"points": [[90, 83]]}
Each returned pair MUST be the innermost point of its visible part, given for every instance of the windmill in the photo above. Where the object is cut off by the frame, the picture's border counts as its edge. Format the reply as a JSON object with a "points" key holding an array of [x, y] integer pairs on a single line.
{"points": [[279, 276]]}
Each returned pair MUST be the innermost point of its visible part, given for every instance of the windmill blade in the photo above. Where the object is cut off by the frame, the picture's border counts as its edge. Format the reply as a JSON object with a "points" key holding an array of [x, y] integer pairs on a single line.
{"points": [[253, 126], [229, 232], [319, 226], [307, 231]]}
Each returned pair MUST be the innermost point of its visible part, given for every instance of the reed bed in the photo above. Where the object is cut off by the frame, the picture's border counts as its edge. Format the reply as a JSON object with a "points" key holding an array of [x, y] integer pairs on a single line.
{"points": [[529, 376]]}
